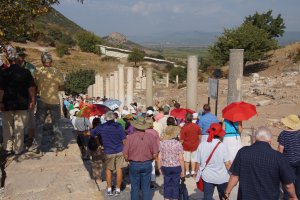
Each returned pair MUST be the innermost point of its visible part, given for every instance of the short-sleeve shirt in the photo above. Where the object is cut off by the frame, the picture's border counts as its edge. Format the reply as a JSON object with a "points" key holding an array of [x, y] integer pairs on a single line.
{"points": [[82, 124], [112, 136], [170, 150], [48, 80], [140, 146], [291, 142], [15, 81], [189, 134], [215, 172], [205, 121], [260, 170]]}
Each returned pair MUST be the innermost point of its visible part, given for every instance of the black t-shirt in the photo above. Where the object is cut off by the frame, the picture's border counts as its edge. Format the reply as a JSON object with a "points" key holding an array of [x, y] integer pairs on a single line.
{"points": [[260, 170], [15, 81]]}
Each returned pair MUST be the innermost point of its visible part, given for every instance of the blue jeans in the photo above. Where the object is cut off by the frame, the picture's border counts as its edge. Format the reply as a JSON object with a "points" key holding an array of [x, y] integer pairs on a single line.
{"points": [[41, 114], [210, 187], [296, 169], [140, 177], [171, 182]]}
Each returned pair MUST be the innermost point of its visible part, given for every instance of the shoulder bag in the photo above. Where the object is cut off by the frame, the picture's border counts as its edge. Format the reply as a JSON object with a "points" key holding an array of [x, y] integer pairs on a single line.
{"points": [[200, 182]]}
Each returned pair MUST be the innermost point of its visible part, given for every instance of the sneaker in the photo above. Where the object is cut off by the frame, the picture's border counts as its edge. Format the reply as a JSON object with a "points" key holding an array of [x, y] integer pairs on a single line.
{"points": [[153, 186], [109, 193], [117, 193], [187, 175]]}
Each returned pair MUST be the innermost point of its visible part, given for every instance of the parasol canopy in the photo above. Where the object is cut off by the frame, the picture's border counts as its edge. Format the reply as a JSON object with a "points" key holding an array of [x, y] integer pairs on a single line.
{"points": [[180, 113], [112, 103], [93, 110], [239, 111]]}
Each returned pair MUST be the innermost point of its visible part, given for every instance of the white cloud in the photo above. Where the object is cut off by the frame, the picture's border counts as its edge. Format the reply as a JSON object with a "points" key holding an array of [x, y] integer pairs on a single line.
{"points": [[146, 8]]}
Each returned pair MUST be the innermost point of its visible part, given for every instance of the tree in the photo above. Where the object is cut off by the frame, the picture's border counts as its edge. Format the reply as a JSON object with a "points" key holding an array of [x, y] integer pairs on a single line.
{"points": [[77, 82], [253, 40], [181, 72], [87, 42], [136, 55], [16, 16], [273, 26]]}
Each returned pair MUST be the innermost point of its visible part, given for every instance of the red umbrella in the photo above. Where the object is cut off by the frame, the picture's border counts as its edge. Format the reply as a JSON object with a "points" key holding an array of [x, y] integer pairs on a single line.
{"points": [[93, 110], [180, 113], [239, 111]]}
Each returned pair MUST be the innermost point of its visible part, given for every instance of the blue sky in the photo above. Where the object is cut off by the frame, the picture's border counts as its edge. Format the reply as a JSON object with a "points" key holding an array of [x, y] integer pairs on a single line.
{"points": [[146, 17]]}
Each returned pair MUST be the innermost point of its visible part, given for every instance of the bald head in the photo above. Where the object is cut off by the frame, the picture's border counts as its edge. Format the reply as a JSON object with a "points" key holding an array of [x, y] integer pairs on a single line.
{"points": [[263, 134]]}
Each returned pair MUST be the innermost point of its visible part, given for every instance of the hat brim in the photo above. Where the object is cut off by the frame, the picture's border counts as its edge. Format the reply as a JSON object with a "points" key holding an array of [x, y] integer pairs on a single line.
{"points": [[140, 126], [287, 122]]}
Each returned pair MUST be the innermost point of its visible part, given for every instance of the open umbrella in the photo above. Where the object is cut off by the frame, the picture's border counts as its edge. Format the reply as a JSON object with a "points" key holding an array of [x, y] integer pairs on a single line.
{"points": [[180, 113], [93, 110], [239, 111], [112, 103]]}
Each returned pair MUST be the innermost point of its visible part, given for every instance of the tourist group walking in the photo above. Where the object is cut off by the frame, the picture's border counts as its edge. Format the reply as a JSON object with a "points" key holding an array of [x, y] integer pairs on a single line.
{"points": [[132, 145]]}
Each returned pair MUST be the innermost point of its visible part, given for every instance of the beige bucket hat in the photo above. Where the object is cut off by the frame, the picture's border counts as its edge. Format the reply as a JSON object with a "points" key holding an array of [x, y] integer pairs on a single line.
{"points": [[291, 121]]}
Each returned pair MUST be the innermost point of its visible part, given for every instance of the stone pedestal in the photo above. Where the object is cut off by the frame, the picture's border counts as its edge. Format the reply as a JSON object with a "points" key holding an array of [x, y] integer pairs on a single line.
{"points": [[235, 77], [112, 86], [121, 83], [129, 95], [149, 87], [192, 82], [116, 78], [107, 87]]}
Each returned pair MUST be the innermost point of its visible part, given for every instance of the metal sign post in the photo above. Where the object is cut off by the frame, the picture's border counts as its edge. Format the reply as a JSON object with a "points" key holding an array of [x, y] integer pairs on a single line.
{"points": [[213, 92]]}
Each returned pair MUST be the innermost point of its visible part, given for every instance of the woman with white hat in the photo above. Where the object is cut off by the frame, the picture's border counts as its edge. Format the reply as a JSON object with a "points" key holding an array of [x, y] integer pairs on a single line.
{"points": [[289, 145]]}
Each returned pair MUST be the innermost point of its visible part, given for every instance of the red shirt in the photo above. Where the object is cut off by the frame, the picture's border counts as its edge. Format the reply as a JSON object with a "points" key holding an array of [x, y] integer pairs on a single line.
{"points": [[189, 134], [140, 146]]}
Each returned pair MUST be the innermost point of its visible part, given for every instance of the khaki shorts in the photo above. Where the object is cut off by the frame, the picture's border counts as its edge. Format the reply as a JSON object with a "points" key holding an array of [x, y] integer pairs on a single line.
{"points": [[190, 156], [115, 161]]}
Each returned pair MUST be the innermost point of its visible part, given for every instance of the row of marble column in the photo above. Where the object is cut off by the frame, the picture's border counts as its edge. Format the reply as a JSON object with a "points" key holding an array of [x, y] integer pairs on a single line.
{"points": [[115, 85]]}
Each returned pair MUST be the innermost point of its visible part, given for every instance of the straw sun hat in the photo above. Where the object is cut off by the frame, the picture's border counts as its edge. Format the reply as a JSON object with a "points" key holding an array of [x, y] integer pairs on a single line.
{"points": [[291, 121]]}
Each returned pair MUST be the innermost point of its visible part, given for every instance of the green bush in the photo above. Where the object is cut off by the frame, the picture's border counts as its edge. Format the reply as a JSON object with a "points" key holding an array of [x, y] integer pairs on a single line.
{"points": [[87, 42], [181, 72], [77, 82], [61, 49]]}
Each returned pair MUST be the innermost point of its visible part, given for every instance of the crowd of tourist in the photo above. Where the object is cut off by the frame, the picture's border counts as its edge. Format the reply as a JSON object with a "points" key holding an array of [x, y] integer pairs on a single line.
{"points": [[135, 144]]}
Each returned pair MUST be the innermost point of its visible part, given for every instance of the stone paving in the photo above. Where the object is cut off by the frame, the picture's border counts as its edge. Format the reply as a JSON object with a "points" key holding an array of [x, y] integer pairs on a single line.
{"points": [[64, 176]]}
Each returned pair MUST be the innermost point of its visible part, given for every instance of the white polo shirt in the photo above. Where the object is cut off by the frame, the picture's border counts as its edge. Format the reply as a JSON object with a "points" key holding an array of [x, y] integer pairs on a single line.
{"points": [[215, 172]]}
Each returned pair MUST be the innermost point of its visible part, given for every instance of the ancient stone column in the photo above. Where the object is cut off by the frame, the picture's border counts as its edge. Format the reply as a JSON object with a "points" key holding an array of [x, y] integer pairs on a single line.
{"points": [[112, 86], [90, 91], [149, 87], [192, 82], [129, 95], [107, 87], [116, 83], [101, 86], [96, 86], [177, 80], [121, 83], [140, 71], [235, 77], [167, 80]]}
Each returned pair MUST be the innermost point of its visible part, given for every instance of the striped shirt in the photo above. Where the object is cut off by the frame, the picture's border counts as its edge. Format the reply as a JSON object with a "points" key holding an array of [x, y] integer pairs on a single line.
{"points": [[291, 142]]}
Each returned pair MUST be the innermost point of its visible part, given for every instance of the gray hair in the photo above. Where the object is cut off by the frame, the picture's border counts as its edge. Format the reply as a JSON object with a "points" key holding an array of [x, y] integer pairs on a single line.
{"points": [[263, 134], [166, 110], [109, 116]]}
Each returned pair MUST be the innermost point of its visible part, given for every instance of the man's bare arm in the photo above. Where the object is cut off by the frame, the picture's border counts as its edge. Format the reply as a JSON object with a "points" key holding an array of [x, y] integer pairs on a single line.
{"points": [[291, 190]]}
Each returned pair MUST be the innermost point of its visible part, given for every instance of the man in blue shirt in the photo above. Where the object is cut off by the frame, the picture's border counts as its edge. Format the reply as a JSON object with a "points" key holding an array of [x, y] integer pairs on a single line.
{"points": [[259, 169], [205, 120], [112, 136]]}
